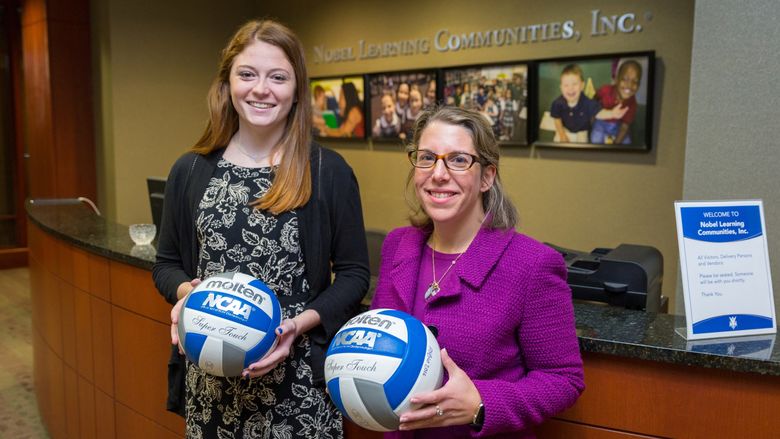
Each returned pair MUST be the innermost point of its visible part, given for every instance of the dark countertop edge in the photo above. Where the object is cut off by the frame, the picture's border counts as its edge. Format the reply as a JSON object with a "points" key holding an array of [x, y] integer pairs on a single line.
{"points": [[99, 250], [679, 357]]}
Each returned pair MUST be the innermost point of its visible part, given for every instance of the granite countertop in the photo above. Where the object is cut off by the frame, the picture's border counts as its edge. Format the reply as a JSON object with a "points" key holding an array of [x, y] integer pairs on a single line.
{"points": [[76, 223], [651, 336], [601, 329]]}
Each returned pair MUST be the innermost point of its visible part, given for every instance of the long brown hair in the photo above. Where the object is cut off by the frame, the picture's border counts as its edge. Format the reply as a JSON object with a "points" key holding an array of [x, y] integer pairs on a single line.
{"points": [[292, 181]]}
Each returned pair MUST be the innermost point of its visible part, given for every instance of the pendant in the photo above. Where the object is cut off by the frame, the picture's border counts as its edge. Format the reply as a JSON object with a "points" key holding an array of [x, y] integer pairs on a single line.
{"points": [[433, 288]]}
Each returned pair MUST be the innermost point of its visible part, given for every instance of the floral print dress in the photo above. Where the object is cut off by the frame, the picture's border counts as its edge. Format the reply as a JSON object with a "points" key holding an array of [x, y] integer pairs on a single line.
{"points": [[234, 236]]}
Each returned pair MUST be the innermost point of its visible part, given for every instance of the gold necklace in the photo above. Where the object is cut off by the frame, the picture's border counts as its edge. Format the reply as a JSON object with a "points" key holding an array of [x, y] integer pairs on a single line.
{"points": [[434, 288]]}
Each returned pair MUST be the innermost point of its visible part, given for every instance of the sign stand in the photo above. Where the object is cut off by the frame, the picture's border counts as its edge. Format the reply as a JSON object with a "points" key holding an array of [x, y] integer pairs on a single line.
{"points": [[724, 261]]}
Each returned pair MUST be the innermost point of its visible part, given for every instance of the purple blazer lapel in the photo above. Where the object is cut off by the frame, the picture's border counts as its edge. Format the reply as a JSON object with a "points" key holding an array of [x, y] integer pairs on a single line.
{"points": [[482, 255], [406, 266]]}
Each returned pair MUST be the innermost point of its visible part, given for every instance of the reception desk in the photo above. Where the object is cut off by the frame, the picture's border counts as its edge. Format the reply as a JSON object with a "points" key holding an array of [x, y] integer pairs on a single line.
{"points": [[101, 344]]}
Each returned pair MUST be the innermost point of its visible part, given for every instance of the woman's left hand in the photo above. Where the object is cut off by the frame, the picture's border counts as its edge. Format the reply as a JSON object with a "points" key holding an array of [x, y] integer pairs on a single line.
{"points": [[286, 333], [454, 404]]}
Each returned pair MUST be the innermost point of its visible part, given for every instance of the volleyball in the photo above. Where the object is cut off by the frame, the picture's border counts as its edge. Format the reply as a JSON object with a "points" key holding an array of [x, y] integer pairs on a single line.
{"points": [[227, 322], [376, 362]]}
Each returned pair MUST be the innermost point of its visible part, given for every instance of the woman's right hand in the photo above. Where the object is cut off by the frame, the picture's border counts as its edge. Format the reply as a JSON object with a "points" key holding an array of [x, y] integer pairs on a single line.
{"points": [[181, 293], [453, 404]]}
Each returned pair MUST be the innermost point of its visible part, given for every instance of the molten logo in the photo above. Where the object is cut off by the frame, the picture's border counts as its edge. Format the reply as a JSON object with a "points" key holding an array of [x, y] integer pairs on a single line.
{"points": [[238, 287], [227, 304], [372, 320], [357, 337]]}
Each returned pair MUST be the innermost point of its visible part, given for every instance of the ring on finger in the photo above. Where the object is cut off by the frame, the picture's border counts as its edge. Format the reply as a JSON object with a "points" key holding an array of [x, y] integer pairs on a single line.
{"points": [[439, 411]]}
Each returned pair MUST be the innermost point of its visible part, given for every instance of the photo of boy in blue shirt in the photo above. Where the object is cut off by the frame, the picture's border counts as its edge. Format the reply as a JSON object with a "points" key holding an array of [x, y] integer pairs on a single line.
{"points": [[573, 112]]}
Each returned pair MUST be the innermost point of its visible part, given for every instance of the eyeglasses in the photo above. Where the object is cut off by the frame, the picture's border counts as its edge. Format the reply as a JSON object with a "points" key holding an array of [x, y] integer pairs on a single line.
{"points": [[454, 161]]}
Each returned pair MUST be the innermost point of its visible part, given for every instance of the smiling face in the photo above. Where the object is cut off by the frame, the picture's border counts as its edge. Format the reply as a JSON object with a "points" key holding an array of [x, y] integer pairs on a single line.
{"points": [[262, 87], [415, 101], [451, 198], [571, 87], [388, 107], [403, 93], [628, 81], [430, 94]]}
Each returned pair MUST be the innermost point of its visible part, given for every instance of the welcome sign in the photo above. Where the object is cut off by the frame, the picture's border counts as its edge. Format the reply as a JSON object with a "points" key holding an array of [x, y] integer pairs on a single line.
{"points": [[724, 260]]}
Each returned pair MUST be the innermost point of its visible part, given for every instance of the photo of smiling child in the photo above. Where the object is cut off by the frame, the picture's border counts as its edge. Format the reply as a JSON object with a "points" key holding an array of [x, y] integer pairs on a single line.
{"points": [[402, 100], [388, 124], [499, 92], [595, 101], [573, 112], [395, 101], [621, 93], [412, 111]]}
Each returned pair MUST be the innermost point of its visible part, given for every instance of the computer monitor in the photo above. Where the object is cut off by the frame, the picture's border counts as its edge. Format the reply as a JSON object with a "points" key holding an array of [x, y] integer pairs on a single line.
{"points": [[156, 189]]}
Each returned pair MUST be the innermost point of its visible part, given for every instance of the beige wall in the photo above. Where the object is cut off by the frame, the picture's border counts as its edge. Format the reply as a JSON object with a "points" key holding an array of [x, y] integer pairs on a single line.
{"points": [[160, 65], [155, 61]]}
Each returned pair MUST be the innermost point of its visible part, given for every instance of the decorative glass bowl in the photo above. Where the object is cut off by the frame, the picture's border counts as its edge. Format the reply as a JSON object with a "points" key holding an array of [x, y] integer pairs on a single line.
{"points": [[142, 234]]}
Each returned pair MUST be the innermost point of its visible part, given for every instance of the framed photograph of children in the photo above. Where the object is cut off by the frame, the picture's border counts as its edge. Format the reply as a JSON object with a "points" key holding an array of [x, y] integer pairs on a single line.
{"points": [[603, 102], [396, 100], [338, 106], [499, 92]]}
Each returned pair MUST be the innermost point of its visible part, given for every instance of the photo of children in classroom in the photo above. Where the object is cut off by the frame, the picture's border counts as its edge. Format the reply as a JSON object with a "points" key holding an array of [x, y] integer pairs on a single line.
{"points": [[396, 99], [594, 101], [498, 92], [338, 107]]}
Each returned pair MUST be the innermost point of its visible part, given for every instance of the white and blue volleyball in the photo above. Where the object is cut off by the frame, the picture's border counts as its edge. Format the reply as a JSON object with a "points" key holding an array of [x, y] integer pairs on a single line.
{"points": [[377, 362], [227, 322]]}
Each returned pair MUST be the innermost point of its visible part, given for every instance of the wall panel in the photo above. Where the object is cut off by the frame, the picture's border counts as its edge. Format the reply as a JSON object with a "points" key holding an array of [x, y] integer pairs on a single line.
{"points": [[58, 99]]}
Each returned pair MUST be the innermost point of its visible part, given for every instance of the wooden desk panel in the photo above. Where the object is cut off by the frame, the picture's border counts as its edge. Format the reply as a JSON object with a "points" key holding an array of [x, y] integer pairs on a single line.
{"points": [[64, 254], [99, 279], [666, 400], [140, 356], [72, 420], [80, 268], [85, 360], [133, 289], [68, 312], [131, 425], [87, 422], [560, 429], [80, 374], [50, 311], [102, 345], [105, 424]]}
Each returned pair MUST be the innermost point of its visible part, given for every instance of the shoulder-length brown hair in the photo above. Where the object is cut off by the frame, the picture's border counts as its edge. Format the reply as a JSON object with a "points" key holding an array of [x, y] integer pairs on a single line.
{"points": [[292, 183], [497, 205]]}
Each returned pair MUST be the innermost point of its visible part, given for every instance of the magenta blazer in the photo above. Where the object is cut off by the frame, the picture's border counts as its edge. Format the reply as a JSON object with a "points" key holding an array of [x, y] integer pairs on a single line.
{"points": [[510, 326]]}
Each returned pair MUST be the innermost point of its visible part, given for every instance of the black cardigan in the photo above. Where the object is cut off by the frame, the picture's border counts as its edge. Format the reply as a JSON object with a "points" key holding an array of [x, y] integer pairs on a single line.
{"points": [[332, 238]]}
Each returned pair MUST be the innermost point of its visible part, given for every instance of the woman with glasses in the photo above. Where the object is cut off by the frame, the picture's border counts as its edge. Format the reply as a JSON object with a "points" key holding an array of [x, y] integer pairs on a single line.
{"points": [[497, 299]]}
